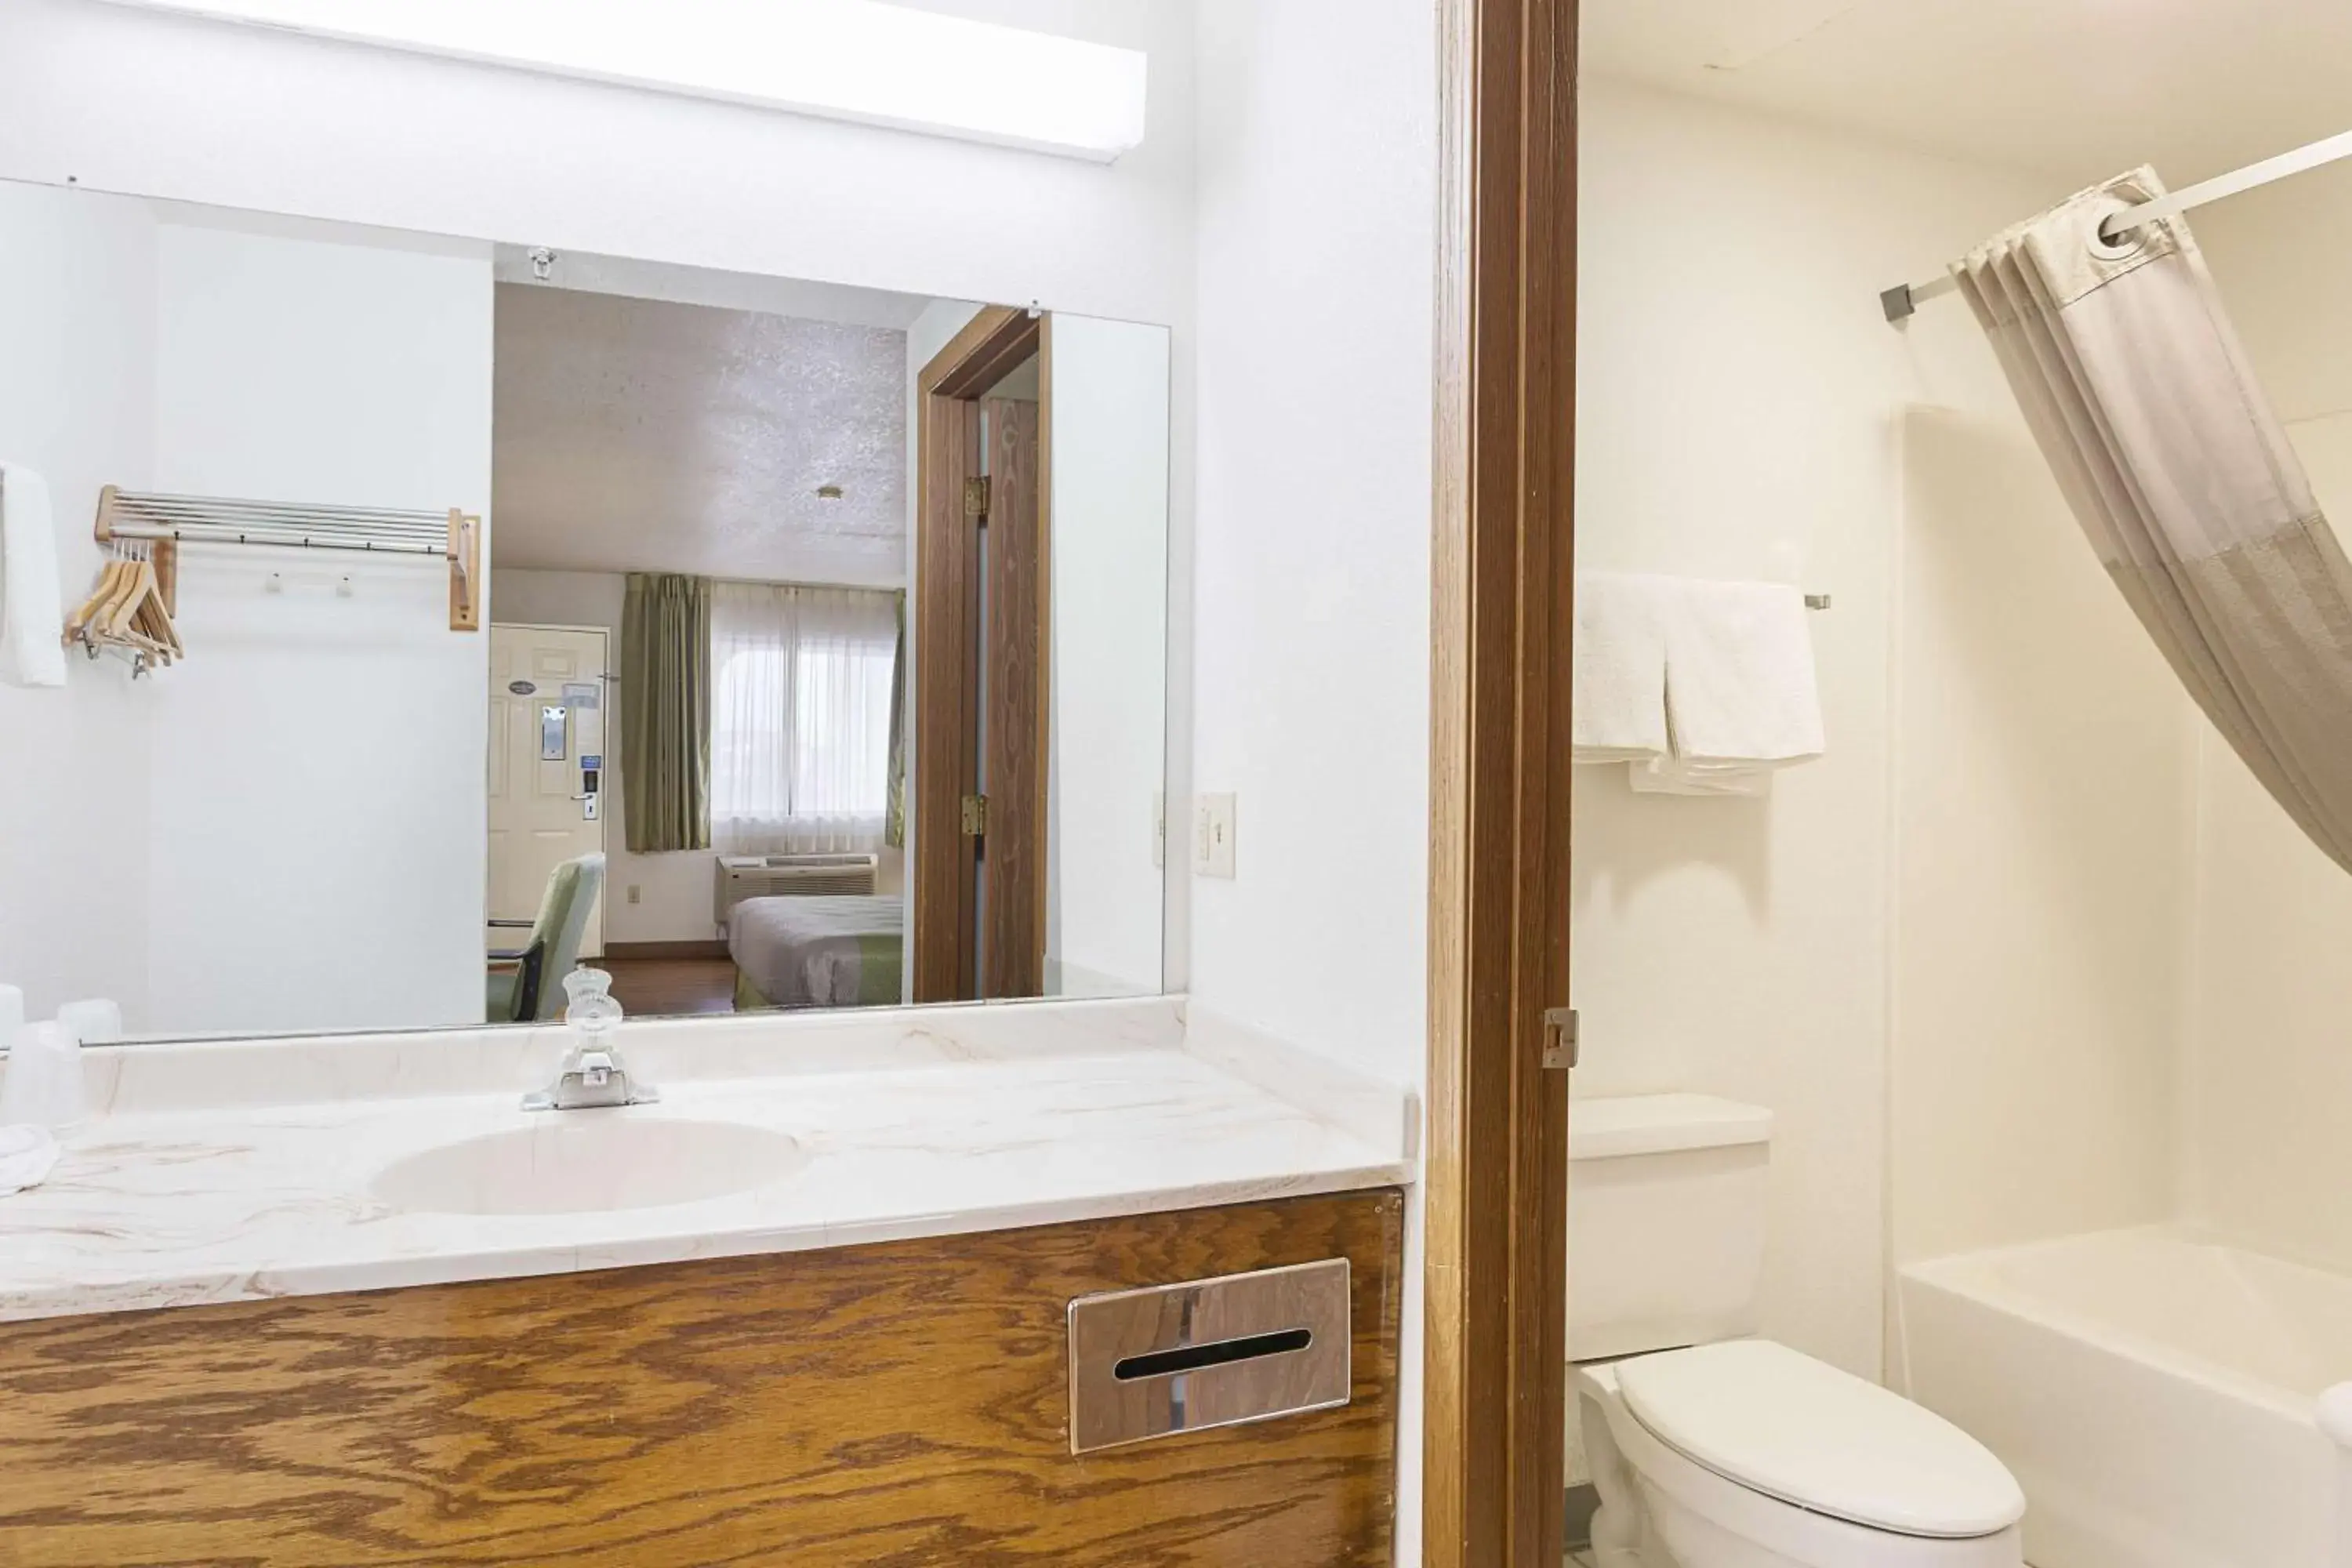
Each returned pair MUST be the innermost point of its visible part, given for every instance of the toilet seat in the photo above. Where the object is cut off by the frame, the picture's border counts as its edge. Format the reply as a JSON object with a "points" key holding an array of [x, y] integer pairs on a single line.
{"points": [[1774, 1420]]}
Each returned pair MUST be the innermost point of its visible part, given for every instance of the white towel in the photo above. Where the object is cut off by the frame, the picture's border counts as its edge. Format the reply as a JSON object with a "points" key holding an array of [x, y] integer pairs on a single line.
{"points": [[1740, 688], [1704, 688], [1663, 775], [32, 597], [1618, 673]]}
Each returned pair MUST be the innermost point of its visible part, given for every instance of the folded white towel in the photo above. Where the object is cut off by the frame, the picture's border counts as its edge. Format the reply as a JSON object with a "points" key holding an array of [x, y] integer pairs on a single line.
{"points": [[32, 596], [1618, 673], [1666, 777], [1704, 688], [1740, 688], [28, 1155]]}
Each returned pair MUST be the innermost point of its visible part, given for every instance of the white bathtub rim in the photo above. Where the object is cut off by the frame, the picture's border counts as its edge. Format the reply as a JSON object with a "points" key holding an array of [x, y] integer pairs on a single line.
{"points": [[1972, 1276]]}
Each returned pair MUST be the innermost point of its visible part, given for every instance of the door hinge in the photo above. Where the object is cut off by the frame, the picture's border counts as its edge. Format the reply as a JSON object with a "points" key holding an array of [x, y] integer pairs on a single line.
{"points": [[975, 815], [1559, 1042], [975, 498]]}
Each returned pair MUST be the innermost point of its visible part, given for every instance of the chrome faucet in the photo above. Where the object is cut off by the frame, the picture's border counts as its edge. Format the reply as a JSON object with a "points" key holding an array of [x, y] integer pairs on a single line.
{"points": [[593, 1074]]}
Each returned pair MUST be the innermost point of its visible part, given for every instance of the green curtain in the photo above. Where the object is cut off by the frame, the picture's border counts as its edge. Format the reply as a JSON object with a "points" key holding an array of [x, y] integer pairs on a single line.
{"points": [[665, 711], [895, 834]]}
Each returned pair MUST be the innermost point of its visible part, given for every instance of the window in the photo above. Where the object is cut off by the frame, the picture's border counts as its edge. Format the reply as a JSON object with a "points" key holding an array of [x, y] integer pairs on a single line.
{"points": [[800, 717]]}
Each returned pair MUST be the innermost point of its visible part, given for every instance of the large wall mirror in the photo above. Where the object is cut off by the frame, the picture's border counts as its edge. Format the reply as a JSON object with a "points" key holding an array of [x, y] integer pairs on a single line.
{"points": [[444, 616]]}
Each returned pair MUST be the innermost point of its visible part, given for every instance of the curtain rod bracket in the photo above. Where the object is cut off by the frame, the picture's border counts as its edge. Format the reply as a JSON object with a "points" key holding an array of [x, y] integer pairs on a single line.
{"points": [[1902, 301]]}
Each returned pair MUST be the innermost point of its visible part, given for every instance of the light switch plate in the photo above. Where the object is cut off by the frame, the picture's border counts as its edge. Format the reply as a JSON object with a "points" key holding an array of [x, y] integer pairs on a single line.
{"points": [[1212, 835]]}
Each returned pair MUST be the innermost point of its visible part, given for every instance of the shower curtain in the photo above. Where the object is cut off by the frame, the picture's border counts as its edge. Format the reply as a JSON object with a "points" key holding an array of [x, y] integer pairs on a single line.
{"points": [[2138, 393]]}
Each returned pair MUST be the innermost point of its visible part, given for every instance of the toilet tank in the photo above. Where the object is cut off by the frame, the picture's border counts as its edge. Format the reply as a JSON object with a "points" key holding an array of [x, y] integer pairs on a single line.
{"points": [[1665, 1222]]}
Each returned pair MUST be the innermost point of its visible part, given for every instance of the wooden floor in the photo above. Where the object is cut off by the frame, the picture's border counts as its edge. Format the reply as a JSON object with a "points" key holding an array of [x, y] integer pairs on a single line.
{"points": [[669, 987]]}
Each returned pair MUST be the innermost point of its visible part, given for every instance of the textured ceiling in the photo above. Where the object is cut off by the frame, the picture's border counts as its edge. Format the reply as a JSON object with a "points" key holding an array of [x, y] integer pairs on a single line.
{"points": [[645, 435], [2079, 88]]}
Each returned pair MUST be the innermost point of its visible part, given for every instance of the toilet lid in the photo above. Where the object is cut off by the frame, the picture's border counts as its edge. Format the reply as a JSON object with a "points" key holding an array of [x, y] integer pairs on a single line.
{"points": [[1790, 1426]]}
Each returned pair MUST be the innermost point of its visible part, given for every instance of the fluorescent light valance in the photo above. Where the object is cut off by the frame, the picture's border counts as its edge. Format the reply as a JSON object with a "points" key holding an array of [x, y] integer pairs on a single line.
{"points": [[843, 59]]}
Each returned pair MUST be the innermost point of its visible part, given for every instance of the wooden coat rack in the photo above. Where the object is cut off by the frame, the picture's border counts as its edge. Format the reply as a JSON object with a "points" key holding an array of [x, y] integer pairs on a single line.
{"points": [[168, 521]]}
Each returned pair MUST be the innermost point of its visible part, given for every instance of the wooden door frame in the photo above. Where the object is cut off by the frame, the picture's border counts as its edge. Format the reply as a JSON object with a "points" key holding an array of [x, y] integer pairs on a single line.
{"points": [[946, 713], [1495, 1186]]}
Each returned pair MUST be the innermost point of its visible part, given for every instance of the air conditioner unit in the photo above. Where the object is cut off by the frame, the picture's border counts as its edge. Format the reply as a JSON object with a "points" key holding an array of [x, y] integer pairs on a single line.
{"points": [[742, 877]]}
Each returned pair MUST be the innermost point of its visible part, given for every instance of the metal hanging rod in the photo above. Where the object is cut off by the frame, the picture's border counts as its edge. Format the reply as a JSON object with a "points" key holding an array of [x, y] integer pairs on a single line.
{"points": [[176, 519], [1904, 299], [263, 537], [207, 511]]}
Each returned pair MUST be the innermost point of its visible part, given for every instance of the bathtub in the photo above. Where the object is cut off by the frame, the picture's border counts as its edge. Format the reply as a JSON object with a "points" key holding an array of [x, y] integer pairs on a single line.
{"points": [[2159, 1398]]}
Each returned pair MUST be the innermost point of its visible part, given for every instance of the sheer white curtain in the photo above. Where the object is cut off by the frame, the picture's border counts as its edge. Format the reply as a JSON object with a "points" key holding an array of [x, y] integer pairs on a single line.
{"points": [[800, 717]]}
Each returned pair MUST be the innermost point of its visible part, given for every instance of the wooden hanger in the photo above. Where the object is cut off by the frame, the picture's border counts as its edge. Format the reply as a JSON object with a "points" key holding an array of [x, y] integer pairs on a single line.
{"points": [[93, 609], [128, 609]]}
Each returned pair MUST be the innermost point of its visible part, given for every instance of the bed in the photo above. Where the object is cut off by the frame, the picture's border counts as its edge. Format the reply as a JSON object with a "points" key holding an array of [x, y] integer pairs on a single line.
{"points": [[817, 951]]}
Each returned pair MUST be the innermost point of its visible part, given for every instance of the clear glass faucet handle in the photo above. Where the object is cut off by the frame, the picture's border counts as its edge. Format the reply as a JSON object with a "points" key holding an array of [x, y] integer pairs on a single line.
{"points": [[593, 1011]]}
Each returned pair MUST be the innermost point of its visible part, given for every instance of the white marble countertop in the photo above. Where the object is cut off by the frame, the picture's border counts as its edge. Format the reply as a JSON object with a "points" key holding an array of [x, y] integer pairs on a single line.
{"points": [[192, 1189]]}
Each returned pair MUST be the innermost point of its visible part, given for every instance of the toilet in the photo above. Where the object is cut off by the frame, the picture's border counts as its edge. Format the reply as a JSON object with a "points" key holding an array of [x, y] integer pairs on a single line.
{"points": [[1711, 1447]]}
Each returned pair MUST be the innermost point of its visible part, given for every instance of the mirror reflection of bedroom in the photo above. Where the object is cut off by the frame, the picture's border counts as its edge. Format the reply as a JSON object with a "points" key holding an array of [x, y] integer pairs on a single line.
{"points": [[447, 615], [707, 717]]}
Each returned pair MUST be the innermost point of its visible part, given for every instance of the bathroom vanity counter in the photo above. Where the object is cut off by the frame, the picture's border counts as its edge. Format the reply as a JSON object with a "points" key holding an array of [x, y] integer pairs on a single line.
{"points": [[229, 1172]]}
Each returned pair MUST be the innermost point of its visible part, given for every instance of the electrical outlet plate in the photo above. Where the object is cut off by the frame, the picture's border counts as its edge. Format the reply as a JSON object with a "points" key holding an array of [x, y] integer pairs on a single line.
{"points": [[1212, 835]]}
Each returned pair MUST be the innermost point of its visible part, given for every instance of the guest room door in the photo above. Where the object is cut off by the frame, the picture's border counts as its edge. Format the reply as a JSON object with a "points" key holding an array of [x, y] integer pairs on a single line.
{"points": [[548, 767]]}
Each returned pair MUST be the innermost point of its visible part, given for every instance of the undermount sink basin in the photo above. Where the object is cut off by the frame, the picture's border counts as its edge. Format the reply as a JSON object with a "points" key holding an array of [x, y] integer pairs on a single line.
{"points": [[573, 1162]]}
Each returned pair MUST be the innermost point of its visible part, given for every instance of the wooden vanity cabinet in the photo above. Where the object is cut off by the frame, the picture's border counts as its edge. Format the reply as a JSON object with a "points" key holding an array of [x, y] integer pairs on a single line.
{"points": [[904, 1402]]}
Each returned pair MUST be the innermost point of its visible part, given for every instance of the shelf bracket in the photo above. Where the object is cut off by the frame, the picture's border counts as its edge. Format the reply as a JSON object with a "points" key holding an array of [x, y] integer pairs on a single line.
{"points": [[465, 571]]}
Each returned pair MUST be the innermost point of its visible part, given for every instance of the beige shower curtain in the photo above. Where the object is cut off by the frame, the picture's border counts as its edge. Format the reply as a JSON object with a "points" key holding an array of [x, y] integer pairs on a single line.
{"points": [[2139, 393]]}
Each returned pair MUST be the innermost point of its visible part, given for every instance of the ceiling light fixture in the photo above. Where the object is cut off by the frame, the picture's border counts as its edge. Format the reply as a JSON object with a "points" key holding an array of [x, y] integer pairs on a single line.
{"points": [[840, 59]]}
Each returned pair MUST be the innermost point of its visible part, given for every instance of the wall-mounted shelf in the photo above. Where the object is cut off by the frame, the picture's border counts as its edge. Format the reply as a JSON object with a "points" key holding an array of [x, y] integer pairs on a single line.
{"points": [[172, 520]]}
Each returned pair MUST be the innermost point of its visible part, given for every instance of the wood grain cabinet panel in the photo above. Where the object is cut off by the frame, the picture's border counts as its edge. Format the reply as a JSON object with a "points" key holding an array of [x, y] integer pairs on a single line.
{"points": [[902, 1404]]}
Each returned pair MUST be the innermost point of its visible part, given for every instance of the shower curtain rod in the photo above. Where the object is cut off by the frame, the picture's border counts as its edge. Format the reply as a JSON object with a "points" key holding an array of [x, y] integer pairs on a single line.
{"points": [[1905, 299]]}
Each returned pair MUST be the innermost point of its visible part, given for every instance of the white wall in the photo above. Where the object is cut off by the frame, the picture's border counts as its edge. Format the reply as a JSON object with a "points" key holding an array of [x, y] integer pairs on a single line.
{"points": [[1108, 648], [2106, 985], [77, 405], [1743, 408], [317, 827], [283, 830], [2266, 1091], [1311, 670], [2045, 776], [1310, 667]]}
